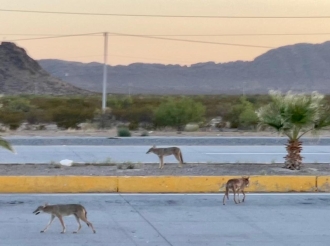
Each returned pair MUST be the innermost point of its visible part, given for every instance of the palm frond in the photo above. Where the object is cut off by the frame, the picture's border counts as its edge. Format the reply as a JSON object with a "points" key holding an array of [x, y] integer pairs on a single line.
{"points": [[6, 145]]}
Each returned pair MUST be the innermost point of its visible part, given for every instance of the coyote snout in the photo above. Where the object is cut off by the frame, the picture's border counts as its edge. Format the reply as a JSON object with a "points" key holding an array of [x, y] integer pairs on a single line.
{"points": [[161, 152], [61, 210], [236, 185]]}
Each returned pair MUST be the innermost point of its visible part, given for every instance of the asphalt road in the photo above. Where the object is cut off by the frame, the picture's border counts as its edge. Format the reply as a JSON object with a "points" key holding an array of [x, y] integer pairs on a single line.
{"points": [[171, 220], [191, 154], [185, 141]]}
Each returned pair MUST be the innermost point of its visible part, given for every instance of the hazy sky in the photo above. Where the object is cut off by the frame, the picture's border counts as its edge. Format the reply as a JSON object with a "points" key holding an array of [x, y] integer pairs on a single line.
{"points": [[126, 50]]}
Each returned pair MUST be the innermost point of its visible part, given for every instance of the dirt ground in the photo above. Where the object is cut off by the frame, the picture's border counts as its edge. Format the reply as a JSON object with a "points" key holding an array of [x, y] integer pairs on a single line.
{"points": [[153, 170], [141, 169]]}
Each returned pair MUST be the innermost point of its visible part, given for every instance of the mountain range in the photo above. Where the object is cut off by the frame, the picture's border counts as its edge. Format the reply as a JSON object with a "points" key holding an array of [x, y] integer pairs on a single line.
{"points": [[300, 67]]}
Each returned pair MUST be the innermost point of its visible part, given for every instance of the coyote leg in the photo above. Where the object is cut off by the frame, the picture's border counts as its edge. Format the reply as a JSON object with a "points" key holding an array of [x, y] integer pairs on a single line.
{"points": [[50, 222], [62, 223], [83, 218], [243, 196], [79, 227], [235, 196]]}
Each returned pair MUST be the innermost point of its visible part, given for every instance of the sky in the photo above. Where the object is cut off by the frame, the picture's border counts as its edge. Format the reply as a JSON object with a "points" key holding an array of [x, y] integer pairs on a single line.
{"points": [[123, 50]]}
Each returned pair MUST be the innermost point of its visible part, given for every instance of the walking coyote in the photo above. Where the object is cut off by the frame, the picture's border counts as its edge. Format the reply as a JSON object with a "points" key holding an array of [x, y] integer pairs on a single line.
{"points": [[60, 210], [236, 185], [161, 152]]}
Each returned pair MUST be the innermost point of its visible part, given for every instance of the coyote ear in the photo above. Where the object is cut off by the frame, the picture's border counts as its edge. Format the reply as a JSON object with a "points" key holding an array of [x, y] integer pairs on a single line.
{"points": [[154, 146], [46, 204]]}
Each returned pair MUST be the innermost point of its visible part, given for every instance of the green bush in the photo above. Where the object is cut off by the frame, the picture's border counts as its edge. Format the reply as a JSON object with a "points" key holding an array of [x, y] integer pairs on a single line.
{"points": [[133, 126], [70, 117], [103, 119], [123, 132], [178, 113], [36, 116], [242, 115], [11, 119]]}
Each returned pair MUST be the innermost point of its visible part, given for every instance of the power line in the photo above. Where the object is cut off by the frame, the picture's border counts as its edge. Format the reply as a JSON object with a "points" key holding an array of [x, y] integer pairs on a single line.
{"points": [[59, 36], [193, 41], [184, 35], [166, 16], [40, 34], [150, 37]]}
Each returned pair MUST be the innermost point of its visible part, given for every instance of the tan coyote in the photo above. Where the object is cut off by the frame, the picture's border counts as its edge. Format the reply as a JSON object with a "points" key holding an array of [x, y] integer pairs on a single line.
{"points": [[236, 185], [161, 152], [60, 210]]}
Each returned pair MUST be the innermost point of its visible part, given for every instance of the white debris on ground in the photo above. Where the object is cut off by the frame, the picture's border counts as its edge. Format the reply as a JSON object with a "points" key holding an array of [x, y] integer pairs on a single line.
{"points": [[66, 162]]}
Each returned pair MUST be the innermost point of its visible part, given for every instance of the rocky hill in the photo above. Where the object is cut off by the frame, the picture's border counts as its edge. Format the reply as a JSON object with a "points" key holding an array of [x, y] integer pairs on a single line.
{"points": [[300, 67], [20, 74]]}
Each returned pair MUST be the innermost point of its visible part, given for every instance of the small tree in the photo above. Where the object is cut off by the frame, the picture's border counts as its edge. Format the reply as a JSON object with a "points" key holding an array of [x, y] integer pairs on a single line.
{"points": [[294, 115], [178, 113], [241, 115]]}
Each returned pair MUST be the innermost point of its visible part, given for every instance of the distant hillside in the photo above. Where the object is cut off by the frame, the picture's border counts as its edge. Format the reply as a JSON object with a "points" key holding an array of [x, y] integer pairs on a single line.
{"points": [[300, 67], [20, 74]]}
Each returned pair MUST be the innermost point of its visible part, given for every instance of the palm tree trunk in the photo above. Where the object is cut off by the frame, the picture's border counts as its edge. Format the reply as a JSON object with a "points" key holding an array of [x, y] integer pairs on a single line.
{"points": [[293, 159]]}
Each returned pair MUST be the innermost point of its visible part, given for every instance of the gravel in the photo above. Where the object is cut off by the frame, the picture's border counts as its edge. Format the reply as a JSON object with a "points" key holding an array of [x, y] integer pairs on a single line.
{"points": [[141, 169]]}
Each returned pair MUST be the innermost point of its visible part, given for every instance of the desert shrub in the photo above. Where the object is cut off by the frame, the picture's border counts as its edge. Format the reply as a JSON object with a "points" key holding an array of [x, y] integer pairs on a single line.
{"points": [[16, 104], [133, 126], [134, 114], [123, 131], [66, 117], [178, 113], [11, 119], [103, 119], [36, 116], [248, 118], [242, 115]]}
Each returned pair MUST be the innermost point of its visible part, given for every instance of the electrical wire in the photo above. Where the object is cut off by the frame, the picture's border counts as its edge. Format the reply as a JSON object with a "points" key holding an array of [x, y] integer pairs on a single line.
{"points": [[166, 16], [146, 36]]}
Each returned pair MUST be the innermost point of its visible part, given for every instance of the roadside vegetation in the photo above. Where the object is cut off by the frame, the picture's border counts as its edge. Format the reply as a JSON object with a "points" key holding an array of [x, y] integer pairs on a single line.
{"points": [[133, 113]]}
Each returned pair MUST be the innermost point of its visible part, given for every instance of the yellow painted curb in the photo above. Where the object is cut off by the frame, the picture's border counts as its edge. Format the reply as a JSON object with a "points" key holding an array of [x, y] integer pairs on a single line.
{"points": [[172, 184], [57, 184], [323, 183], [157, 184], [282, 184], [196, 184]]}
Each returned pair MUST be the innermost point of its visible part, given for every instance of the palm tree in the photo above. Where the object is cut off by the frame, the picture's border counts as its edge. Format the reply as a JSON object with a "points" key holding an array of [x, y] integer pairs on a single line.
{"points": [[294, 115], [6, 145]]}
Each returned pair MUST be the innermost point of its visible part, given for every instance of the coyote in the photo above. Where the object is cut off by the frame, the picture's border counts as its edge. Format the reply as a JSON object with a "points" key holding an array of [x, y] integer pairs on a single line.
{"points": [[236, 185], [60, 210], [161, 152]]}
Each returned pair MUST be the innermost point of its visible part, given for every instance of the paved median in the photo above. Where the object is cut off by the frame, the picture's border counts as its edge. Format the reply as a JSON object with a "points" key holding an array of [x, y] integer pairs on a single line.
{"points": [[157, 184]]}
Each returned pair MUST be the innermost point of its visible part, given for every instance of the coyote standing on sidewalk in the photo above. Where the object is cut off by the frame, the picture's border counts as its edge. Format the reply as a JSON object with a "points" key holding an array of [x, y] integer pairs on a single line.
{"points": [[161, 152], [60, 210], [236, 185]]}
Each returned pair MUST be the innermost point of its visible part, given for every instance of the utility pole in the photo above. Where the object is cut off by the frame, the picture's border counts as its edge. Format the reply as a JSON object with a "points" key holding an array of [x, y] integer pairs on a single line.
{"points": [[104, 94]]}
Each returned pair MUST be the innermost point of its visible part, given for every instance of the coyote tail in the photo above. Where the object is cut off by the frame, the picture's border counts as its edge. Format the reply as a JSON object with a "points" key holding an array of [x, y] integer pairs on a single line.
{"points": [[227, 192]]}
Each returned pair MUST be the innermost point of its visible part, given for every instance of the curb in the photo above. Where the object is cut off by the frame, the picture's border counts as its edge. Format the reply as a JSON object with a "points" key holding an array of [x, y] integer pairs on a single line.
{"points": [[157, 184]]}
